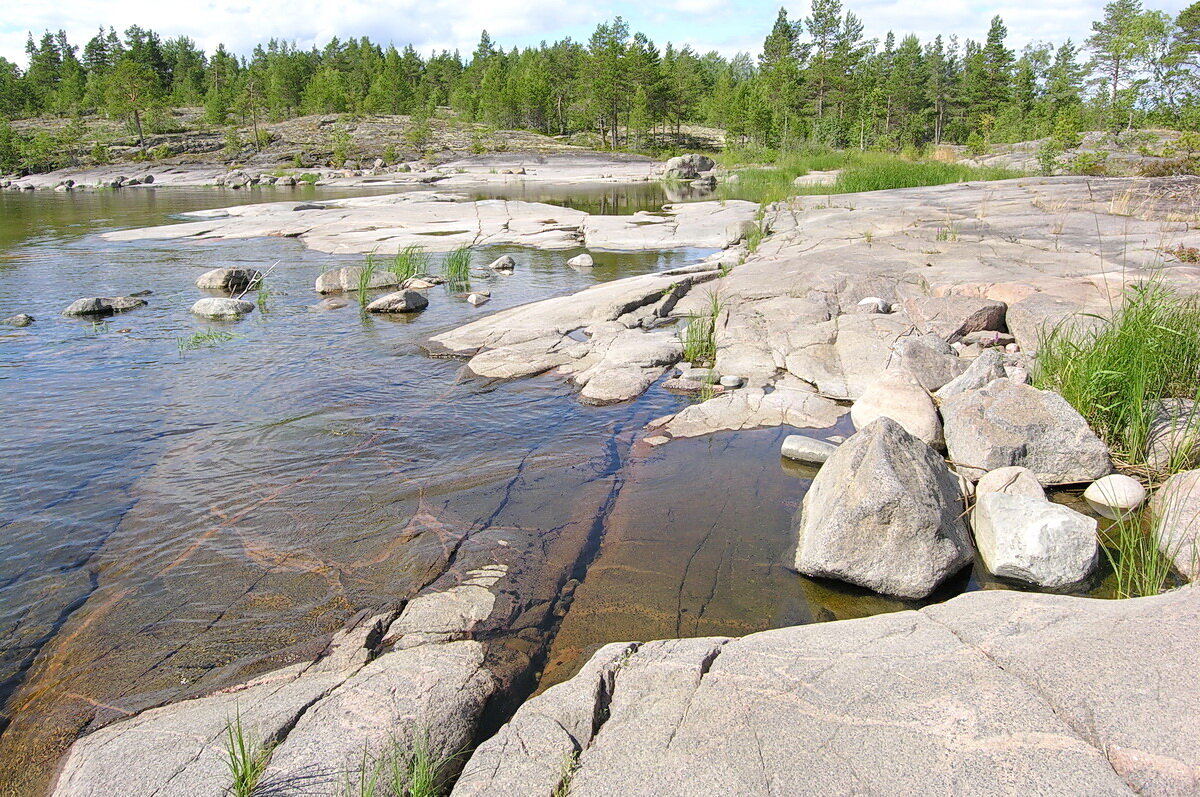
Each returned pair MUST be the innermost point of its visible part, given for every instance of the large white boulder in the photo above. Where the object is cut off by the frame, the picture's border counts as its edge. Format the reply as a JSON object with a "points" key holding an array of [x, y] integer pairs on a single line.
{"points": [[1035, 541]]}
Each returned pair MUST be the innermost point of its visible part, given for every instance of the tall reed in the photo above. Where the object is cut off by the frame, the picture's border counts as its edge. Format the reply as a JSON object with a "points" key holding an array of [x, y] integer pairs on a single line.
{"points": [[410, 261], [457, 268]]}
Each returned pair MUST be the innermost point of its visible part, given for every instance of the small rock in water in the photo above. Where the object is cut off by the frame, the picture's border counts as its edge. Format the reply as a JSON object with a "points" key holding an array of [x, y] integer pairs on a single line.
{"points": [[476, 299], [417, 284], [146, 292], [732, 381], [657, 440], [18, 320], [332, 303], [581, 261], [1115, 495], [215, 307], [504, 264], [103, 305], [228, 279], [806, 449], [698, 375], [399, 302], [347, 279]]}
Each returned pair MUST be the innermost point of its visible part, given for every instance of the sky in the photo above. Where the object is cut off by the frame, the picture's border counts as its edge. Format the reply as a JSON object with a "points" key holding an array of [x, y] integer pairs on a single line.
{"points": [[728, 26]]}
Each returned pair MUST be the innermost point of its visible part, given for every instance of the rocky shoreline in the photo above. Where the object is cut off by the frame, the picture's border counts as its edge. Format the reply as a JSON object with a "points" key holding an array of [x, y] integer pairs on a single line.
{"points": [[916, 311]]}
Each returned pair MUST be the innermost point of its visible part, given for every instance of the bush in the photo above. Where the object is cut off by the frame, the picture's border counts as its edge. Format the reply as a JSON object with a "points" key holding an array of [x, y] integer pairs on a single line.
{"points": [[1092, 164], [1047, 157], [233, 143], [100, 154], [976, 144]]}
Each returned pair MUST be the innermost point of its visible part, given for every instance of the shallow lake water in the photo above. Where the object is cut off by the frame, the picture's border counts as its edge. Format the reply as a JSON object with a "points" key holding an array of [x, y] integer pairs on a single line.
{"points": [[171, 519]]}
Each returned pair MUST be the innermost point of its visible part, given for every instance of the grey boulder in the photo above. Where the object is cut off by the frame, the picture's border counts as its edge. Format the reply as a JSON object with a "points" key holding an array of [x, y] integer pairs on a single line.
{"points": [[103, 305], [581, 261], [1006, 423], [229, 279], [899, 396], [399, 302], [220, 308], [952, 317], [930, 359], [503, 264], [985, 369], [1171, 441], [348, 278], [18, 320], [884, 513], [1035, 541]]}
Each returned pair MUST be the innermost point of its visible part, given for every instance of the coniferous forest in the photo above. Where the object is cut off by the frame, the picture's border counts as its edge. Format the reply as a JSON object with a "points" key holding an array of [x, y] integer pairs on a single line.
{"points": [[818, 81]]}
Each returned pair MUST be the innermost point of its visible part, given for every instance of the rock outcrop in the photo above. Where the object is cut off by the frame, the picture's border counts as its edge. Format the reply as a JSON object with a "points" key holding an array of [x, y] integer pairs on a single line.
{"points": [[991, 690], [885, 513]]}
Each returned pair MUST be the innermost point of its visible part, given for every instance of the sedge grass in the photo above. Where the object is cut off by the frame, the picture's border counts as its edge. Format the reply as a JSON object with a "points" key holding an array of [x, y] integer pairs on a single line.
{"points": [[412, 770], [366, 276], [457, 268], [1116, 371], [699, 336], [208, 337], [1140, 567], [410, 261], [245, 758]]}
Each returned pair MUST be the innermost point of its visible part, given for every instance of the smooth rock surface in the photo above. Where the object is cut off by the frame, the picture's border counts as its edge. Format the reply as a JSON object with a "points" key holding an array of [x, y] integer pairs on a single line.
{"points": [[1115, 495], [215, 307], [1034, 541], [1176, 512], [1013, 480], [885, 513], [992, 692], [806, 449], [1005, 423], [899, 396]]}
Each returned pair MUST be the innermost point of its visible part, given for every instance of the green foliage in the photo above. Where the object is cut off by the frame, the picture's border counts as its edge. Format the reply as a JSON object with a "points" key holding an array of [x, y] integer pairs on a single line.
{"points": [[245, 759], [1140, 568], [457, 269], [699, 336], [365, 275], [1115, 372], [340, 142], [233, 143], [1047, 158], [209, 337], [1094, 164], [411, 261], [399, 771]]}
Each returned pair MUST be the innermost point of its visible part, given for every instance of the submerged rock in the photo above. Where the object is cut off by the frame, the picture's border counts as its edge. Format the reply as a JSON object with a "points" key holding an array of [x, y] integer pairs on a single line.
{"points": [[477, 299], [399, 302], [231, 280], [884, 513], [1005, 423], [103, 305], [807, 449], [339, 280], [1035, 541], [18, 320], [215, 307]]}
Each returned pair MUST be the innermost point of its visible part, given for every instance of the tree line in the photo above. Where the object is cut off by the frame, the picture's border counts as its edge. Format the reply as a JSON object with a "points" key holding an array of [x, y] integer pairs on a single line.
{"points": [[818, 80]]}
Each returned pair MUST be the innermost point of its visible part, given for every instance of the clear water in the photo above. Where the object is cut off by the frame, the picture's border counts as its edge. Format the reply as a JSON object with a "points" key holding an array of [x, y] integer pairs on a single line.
{"points": [[171, 521]]}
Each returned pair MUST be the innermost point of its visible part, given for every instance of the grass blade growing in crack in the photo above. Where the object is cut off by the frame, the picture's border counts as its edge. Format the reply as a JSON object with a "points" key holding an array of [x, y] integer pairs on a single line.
{"points": [[245, 758]]}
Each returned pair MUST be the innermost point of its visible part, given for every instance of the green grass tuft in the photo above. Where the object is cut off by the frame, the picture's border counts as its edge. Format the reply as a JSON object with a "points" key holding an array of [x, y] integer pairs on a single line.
{"points": [[699, 336], [1115, 373], [457, 268], [209, 337], [1140, 569], [365, 275], [399, 771], [245, 758], [410, 261]]}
